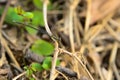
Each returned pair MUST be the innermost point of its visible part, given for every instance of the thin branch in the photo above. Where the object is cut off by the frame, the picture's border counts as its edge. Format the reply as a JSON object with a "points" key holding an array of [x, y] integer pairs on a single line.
{"points": [[9, 52], [62, 74], [88, 16], [15, 78], [3, 42], [116, 71], [74, 56], [4, 14], [112, 61], [45, 2], [54, 61], [70, 25]]}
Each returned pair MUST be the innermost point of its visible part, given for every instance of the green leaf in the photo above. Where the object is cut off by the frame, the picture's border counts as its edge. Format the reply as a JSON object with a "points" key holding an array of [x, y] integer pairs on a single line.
{"points": [[32, 79], [47, 63], [58, 63], [30, 30], [29, 72], [36, 67], [25, 67], [38, 18], [38, 3], [28, 15], [42, 47], [36, 21], [11, 16]]}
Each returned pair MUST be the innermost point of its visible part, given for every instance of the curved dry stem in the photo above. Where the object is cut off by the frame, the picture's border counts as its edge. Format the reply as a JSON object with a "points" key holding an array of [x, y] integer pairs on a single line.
{"points": [[45, 2]]}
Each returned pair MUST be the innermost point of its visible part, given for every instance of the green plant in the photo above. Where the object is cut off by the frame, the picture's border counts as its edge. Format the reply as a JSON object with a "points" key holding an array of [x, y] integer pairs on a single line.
{"points": [[36, 21], [29, 19], [47, 63], [31, 69], [35, 67], [45, 49], [34, 18], [27, 16], [17, 16], [39, 4], [42, 47]]}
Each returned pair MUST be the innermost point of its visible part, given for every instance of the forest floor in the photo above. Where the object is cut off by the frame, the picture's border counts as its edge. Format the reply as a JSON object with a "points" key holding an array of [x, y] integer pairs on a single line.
{"points": [[59, 40]]}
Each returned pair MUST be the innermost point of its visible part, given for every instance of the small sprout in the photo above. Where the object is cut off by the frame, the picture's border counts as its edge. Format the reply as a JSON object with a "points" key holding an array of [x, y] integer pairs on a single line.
{"points": [[29, 72], [36, 66], [48, 62]]}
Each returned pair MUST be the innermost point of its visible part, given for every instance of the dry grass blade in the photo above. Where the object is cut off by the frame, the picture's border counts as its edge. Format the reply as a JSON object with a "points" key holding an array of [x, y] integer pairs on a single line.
{"points": [[80, 62], [63, 75], [112, 61], [45, 3], [15, 78], [102, 8], [116, 71], [54, 61], [99, 28], [91, 47], [96, 59], [3, 42], [112, 32], [77, 35], [88, 16], [71, 36]]}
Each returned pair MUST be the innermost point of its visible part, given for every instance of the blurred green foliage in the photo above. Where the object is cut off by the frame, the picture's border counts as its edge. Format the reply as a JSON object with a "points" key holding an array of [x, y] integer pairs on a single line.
{"points": [[39, 47], [42, 47], [12, 18]]}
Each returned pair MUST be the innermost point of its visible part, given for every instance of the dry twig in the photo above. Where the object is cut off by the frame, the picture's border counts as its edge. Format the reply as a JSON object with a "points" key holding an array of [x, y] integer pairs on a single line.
{"points": [[80, 62], [45, 2], [15, 78], [3, 42], [112, 61]]}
